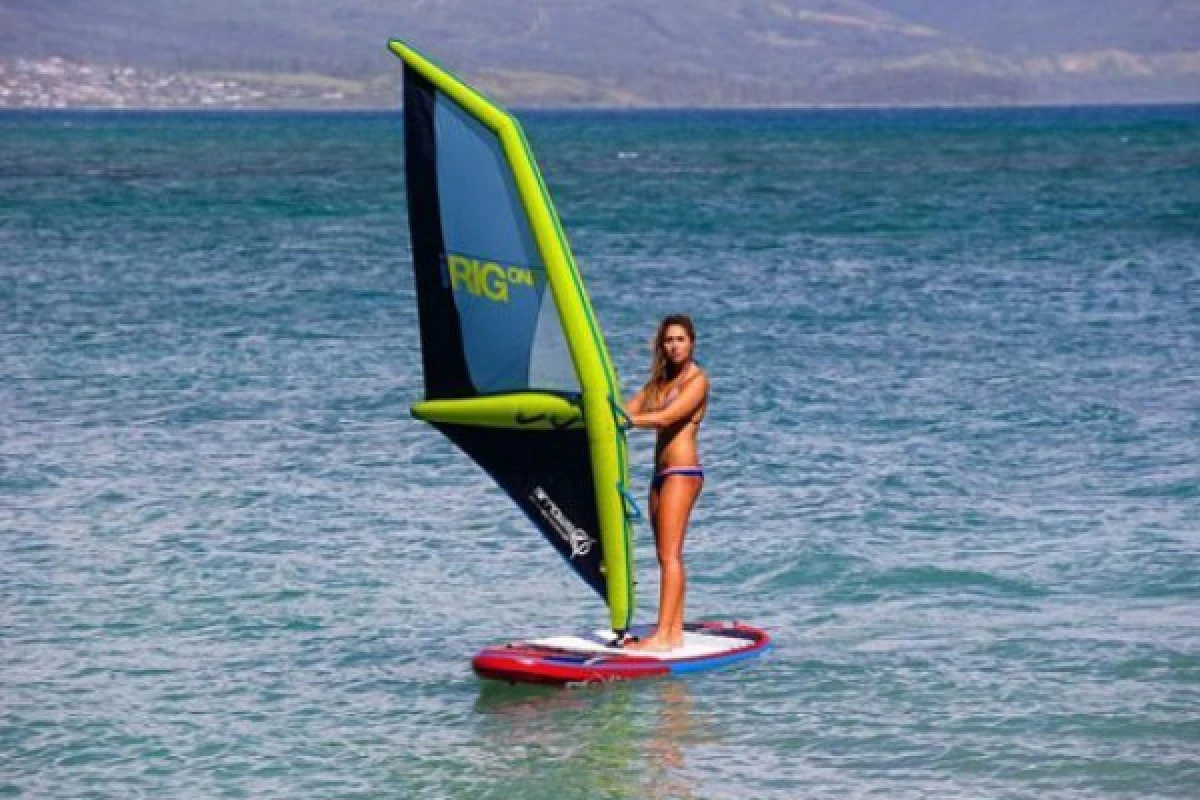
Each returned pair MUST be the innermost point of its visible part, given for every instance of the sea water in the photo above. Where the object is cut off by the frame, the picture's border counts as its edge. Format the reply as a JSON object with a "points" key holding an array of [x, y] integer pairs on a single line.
{"points": [[952, 456]]}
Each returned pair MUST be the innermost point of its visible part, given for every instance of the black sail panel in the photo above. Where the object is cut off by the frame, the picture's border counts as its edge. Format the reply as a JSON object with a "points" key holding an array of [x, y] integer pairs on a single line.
{"points": [[442, 352], [549, 475]]}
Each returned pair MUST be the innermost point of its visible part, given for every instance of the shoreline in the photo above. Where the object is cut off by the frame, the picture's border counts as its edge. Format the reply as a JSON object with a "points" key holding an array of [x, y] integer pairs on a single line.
{"points": [[613, 110]]}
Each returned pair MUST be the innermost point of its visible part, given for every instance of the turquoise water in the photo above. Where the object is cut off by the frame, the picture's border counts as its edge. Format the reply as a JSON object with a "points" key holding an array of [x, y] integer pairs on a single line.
{"points": [[954, 459]]}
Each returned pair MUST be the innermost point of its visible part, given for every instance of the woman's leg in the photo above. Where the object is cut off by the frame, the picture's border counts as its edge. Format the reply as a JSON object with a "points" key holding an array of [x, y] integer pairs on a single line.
{"points": [[670, 508], [655, 493], [678, 497]]}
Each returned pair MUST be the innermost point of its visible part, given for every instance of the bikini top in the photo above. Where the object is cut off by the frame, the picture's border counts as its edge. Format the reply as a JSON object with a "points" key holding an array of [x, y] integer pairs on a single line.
{"points": [[674, 391]]}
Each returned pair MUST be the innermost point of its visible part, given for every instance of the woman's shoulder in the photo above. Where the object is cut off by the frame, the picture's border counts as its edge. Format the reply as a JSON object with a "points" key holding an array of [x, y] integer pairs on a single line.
{"points": [[698, 376]]}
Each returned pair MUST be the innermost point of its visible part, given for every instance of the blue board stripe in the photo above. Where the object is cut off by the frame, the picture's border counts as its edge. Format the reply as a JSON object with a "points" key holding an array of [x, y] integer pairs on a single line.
{"points": [[683, 667]]}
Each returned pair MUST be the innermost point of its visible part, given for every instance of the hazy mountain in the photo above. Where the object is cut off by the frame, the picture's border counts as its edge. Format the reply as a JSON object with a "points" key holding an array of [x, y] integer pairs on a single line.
{"points": [[627, 52]]}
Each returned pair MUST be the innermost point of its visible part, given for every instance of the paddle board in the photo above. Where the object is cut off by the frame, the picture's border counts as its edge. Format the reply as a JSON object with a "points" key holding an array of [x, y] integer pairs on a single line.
{"points": [[594, 657]]}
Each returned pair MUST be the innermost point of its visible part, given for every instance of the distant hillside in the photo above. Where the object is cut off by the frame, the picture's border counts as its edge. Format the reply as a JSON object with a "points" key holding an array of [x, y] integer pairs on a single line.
{"points": [[631, 53]]}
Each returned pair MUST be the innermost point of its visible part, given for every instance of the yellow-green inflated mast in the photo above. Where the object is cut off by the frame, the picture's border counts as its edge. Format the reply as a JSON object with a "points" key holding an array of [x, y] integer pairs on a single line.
{"points": [[597, 377]]}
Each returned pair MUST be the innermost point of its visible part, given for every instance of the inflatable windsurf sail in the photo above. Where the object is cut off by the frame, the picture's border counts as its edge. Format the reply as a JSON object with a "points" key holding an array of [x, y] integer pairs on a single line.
{"points": [[516, 371]]}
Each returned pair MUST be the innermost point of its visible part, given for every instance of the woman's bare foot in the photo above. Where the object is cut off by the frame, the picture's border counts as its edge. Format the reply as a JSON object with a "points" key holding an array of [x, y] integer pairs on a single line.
{"points": [[654, 644]]}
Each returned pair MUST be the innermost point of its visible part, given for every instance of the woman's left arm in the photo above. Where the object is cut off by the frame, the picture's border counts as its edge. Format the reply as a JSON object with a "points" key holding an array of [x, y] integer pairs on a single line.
{"points": [[635, 404], [682, 407]]}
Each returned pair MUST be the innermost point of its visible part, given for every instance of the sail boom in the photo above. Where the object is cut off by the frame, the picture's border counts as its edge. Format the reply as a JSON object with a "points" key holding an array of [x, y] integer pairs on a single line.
{"points": [[539, 411]]}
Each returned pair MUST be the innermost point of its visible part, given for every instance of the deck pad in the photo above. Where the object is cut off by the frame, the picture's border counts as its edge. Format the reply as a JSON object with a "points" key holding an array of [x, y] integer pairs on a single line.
{"points": [[695, 645]]}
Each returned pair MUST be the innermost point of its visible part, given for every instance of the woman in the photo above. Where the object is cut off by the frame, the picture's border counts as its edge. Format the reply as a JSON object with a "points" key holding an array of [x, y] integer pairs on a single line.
{"points": [[672, 403]]}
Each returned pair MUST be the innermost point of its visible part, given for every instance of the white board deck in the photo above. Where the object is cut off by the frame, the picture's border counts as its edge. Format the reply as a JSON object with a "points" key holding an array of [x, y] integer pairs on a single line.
{"points": [[694, 645]]}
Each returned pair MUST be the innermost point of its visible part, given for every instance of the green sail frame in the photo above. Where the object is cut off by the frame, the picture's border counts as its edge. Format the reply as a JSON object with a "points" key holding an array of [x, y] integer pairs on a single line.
{"points": [[599, 402]]}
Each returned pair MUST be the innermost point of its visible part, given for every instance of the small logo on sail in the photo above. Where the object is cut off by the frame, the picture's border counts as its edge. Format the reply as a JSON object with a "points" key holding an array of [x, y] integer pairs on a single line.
{"points": [[548, 419], [576, 538]]}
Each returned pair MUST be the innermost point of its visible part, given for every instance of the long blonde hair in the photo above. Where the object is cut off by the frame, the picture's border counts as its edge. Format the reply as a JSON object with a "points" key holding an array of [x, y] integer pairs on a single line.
{"points": [[658, 363]]}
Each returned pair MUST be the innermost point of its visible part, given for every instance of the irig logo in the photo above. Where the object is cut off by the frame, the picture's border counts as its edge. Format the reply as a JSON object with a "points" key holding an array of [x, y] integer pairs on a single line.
{"points": [[484, 278], [576, 538]]}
